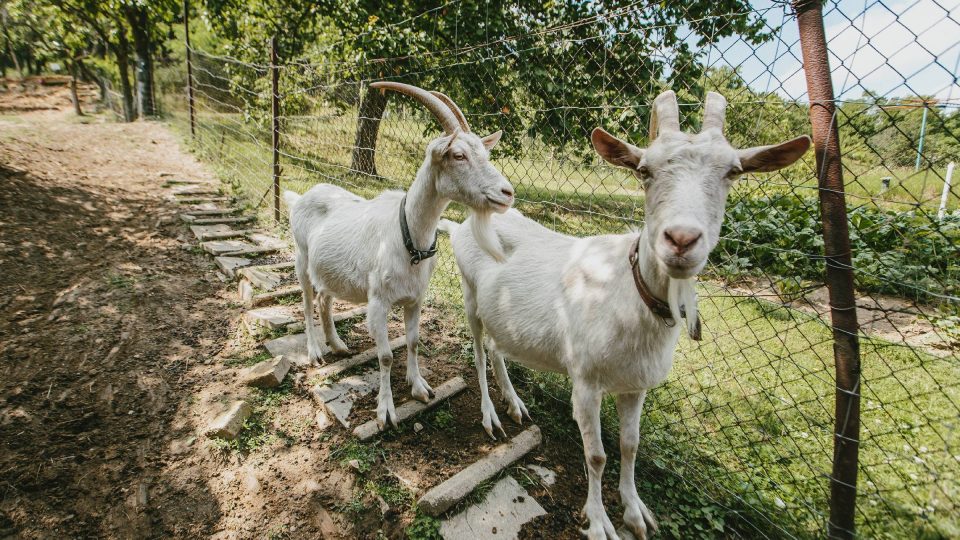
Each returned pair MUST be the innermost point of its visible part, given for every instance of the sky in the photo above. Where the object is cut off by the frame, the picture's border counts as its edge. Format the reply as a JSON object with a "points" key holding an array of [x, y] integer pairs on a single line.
{"points": [[895, 48]]}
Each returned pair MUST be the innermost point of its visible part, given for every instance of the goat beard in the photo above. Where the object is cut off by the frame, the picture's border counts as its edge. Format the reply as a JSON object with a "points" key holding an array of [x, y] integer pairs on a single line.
{"points": [[485, 236], [683, 293]]}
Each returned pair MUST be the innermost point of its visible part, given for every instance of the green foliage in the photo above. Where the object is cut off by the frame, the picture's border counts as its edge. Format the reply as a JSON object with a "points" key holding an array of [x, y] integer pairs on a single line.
{"points": [[903, 253], [424, 527]]}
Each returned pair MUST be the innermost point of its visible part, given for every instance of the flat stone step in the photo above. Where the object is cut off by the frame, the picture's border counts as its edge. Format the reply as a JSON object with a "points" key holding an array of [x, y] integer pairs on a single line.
{"points": [[500, 515], [219, 220], [230, 265], [224, 233], [229, 248], [276, 317], [447, 494], [411, 408], [265, 240], [186, 199], [337, 399], [294, 347], [195, 190], [211, 212]]}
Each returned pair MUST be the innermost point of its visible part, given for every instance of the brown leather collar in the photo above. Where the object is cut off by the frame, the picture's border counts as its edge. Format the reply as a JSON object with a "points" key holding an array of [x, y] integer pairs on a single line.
{"points": [[658, 307]]}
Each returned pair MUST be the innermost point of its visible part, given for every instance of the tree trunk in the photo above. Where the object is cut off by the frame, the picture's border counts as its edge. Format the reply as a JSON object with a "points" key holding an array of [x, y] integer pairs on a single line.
{"points": [[74, 97], [122, 52], [139, 25], [368, 124], [6, 35]]}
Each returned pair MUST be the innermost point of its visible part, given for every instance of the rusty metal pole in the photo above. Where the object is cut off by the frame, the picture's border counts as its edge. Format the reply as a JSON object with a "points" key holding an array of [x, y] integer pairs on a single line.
{"points": [[186, 34], [275, 78], [839, 275]]}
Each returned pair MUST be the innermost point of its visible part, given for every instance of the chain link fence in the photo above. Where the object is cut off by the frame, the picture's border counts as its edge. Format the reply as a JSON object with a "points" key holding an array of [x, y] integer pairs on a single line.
{"points": [[747, 417]]}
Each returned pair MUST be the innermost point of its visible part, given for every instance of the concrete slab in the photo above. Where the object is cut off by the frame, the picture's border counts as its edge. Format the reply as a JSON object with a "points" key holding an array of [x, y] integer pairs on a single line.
{"points": [[409, 409], [267, 374], [336, 368], [225, 247], [249, 251], [269, 297], [201, 231], [265, 240], [269, 318], [230, 422], [194, 189], [357, 384], [292, 347], [499, 516], [450, 492], [212, 211], [215, 221], [188, 199], [230, 265], [226, 235], [266, 279]]}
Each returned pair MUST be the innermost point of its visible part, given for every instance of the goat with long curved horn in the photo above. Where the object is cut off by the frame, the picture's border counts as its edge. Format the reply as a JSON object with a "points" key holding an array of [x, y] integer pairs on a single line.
{"points": [[461, 118], [714, 112], [381, 251], [440, 109]]}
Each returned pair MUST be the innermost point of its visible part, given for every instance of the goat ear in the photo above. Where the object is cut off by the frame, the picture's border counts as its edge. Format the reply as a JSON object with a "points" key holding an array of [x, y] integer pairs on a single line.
{"points": [[615, 151], [492, 139], [773, 157]]}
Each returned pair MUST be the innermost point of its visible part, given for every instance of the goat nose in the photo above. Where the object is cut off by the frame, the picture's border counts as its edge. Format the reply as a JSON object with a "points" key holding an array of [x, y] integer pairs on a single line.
{"points": [[681, 239], [507, 191]]}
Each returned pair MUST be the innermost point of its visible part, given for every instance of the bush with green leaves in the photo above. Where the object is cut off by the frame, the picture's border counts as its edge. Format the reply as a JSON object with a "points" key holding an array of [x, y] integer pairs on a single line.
{"points": [[910, 254]]}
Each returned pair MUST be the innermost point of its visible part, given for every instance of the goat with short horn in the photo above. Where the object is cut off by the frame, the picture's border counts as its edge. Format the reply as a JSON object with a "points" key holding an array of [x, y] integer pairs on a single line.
{"points": [[607, 310], [380, 251]]}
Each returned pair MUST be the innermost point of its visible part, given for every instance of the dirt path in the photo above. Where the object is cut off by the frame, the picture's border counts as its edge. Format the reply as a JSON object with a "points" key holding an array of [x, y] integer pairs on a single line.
{"points": [[102, 315]]}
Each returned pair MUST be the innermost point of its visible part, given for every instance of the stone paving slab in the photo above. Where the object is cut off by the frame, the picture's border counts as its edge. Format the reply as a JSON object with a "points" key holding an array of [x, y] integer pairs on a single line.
{"points": [[253, 250], [409, 409], [267, 374], [218, 220], [230, 265], [225, 235], [201, 199], [215, 211], [269, 318], [201, 232], [442, 497], [268, 297], [226, 247], [337, 399], [266, 279], [294, 347], [265, 240], [500, 516], [195, 189], [336, 368]]}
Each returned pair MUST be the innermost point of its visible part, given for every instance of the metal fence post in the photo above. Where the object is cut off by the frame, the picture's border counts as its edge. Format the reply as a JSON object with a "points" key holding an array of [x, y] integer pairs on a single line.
{"points": [[839, 274], [275, 100], [186, 34]]}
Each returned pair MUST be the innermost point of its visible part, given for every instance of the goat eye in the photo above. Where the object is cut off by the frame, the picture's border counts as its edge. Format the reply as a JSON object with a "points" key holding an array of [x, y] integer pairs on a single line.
{"points": [[459, 156]]}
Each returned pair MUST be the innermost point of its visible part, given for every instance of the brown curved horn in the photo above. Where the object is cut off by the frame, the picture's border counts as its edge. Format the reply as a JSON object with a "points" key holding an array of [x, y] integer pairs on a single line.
{"points": [[714, 112], [439, 109], [665, 114], [456, 110]]}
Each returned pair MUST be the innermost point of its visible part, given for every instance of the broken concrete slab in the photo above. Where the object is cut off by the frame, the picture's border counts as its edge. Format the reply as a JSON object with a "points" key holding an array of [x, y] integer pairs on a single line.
{"points": [[357, 384], [269, 318], [336, 368], [188, 199], [228, 248], [266, 279], [450, 492], [265, 240], [216, 211], [500, 515], [195, 189], [230, 265], [202, 232], [409, 409], [293, 347], [218, 220], [267, 374], [230, 422]]}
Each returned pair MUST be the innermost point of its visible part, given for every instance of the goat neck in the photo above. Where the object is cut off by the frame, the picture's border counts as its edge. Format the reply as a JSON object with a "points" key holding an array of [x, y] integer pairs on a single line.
{"points": [[656, 279], [424, 207]]}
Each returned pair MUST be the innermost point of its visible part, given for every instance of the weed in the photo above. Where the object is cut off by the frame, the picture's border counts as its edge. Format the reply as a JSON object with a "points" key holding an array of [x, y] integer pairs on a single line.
{"points": [[424, 527]]}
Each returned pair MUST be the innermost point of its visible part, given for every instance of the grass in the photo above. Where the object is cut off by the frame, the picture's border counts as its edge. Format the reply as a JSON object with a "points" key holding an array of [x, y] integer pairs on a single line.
{"points": [[258, 431], [739, 438]]}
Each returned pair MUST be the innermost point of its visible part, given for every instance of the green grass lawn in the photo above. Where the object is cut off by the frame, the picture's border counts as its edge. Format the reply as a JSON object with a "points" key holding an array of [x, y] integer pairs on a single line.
{"points": [[741, 434]]}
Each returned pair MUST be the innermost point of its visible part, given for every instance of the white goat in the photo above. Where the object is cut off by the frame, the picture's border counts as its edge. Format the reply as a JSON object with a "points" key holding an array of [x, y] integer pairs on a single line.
{"points": [[571, 305], [379, 251]]}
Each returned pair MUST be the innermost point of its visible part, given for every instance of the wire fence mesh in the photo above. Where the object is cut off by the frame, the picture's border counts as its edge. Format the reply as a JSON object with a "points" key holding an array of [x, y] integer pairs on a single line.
{"points": [[747, 415]]}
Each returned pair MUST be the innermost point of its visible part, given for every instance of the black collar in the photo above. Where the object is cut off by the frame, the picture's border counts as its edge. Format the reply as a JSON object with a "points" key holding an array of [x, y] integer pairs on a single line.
{"points": [[657, 306], [416, 255]]}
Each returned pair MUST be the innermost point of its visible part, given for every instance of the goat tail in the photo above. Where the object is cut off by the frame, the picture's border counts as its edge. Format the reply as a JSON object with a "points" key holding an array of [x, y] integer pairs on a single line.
{"points": [[486, 237], [290, 198], [447, 226]]}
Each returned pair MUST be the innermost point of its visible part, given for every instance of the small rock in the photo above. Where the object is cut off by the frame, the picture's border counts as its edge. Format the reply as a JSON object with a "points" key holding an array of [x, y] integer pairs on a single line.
{"points": [[228, 425], [417, 427], [547, 477], [323, 421], [354, 464], [267, 374]]}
